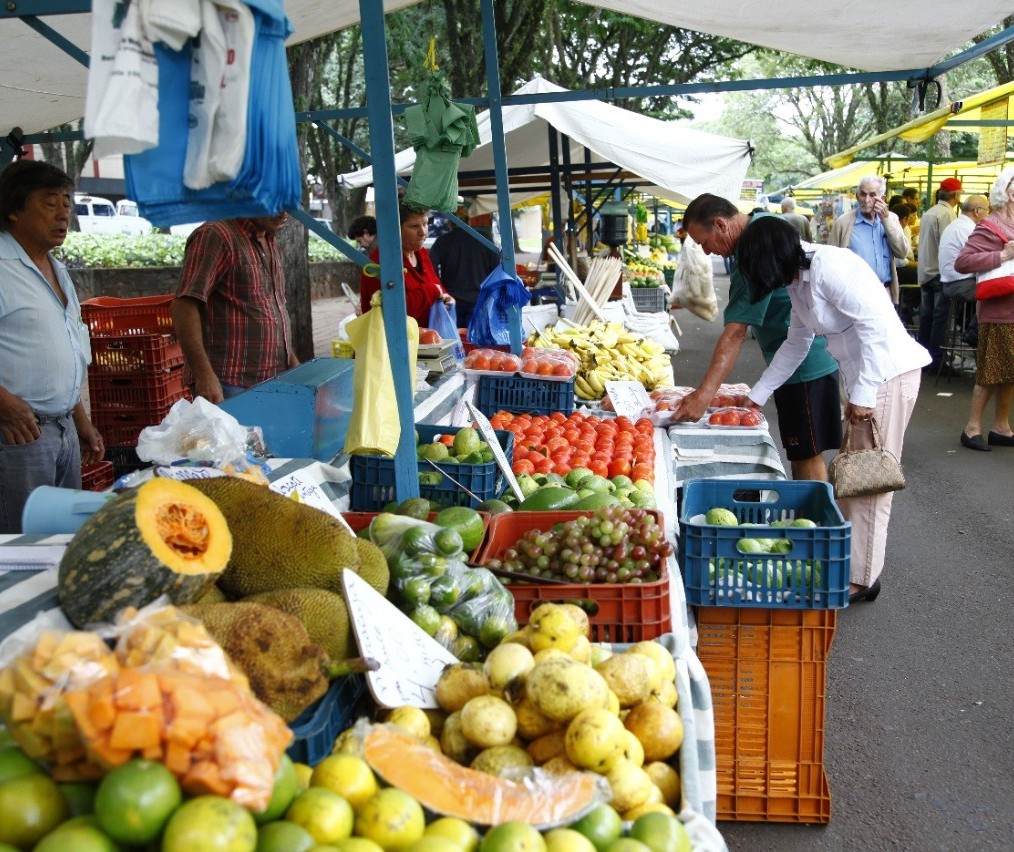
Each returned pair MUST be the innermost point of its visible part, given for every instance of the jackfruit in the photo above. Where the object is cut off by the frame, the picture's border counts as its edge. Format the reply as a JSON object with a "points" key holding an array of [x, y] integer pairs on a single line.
{"points": [[213, 595], [282, 544], [285, 669], [323, 613]]}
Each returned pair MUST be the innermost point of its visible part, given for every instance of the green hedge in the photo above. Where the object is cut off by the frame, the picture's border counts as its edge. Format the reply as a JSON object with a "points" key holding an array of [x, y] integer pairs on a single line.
{"points": [[97, 251]]}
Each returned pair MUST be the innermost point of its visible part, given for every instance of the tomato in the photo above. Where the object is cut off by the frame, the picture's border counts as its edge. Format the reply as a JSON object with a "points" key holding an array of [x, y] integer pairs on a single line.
{"points": [[557, 443], [497, 422], [447, 440], [562, 369], [716, 419], [529, 365], [572, 436], [750, 418], [645, 426], [619, 467], [523, 466], [730, 418], [511, 364], [583, 446], [558, 417], [623, 421], [598, 467], [481, 362], [562, 468], [642, 471], [544, 466], [562, 457], [546, 368], [553, 432], [579, 460]]}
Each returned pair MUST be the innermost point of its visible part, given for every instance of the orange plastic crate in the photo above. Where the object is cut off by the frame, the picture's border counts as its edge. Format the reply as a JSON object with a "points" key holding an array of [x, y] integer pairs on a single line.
{"points": [[108, 391], [135, 353], [361, 520], [108, 316], [767, 671], [120, 427], [98, 476], [627, 612]]}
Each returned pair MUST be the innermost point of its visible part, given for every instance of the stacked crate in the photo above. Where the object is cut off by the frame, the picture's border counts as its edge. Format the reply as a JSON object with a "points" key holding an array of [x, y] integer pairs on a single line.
{"points": [[136, 374]]}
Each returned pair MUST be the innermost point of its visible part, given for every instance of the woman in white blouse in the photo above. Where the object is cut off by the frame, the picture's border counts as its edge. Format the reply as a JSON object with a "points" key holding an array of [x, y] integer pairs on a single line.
{"points": [[835, 293]]}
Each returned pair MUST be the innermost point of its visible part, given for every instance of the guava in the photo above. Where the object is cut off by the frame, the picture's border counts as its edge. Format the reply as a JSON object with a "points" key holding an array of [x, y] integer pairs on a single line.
{"points": [[720, 517]]}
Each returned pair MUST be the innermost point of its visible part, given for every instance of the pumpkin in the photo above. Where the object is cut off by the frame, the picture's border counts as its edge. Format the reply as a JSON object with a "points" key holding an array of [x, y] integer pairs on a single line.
{"points": [[446, 788], [161, 538]]}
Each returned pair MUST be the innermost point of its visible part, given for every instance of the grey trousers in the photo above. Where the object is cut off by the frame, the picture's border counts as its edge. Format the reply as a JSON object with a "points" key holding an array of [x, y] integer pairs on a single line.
{"points": [[53, 459]]}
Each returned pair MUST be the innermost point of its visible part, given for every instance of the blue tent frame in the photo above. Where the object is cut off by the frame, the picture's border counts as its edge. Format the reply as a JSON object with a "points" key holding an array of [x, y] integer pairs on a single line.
{"points": [[380, 113]]}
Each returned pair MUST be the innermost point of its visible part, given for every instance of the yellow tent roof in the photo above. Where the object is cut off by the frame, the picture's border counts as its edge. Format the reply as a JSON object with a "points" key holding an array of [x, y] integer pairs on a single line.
{"points": [[922, 128]]}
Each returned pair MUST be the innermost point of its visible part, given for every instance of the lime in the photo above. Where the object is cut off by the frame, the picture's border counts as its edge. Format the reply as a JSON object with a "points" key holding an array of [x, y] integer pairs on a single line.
{"points": [[444, 592], [495, 628], [456, 830], [416, 540], [512, 837], [135, 800], [285, 789], [14, 763], [391, 818], [210, 824], [416, 591], [467, 649], [348, 775], [567, 840], [323, 813], [283, 836], [601, 825], [627, 844], [81, 834], [448, 542], [661, 833], [32, 806], [80, 797], [426, 617]]}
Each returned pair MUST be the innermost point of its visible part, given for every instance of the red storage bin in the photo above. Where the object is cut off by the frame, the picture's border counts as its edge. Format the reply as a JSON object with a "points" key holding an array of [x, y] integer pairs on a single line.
{"points": [[108, 316], [120, 427], [109, 391], [135, 353], [98, 476]]}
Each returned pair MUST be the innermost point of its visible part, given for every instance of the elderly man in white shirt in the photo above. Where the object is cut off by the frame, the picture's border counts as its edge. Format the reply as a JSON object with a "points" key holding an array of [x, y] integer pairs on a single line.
{"points": [[835, 293], [957, 286]]}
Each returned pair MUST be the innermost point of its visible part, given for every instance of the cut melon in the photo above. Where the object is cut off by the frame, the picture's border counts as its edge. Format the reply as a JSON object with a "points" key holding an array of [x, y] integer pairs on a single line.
{"points": [[162, 538], [446, 788]]}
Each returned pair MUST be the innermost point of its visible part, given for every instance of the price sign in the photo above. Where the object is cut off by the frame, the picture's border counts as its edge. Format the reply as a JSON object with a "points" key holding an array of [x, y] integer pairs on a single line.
{"points": [[489, 435], [410, 659], [629, 399], [303, 490], [185, 472]]}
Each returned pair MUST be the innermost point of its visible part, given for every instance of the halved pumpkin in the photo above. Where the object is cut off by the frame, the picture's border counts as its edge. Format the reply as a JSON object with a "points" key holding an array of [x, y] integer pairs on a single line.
{"points": [[161, 538], [446, 788]]}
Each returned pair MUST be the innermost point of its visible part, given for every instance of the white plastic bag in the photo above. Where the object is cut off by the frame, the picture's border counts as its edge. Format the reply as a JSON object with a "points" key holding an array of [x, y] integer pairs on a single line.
{"points": [[121, 109], [694, 284], [199, 431]]}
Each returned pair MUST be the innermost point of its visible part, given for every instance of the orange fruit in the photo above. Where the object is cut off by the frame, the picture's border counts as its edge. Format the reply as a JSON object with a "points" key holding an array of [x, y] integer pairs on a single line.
{"points": [[135, 800], [32, 806], [210, 824]]}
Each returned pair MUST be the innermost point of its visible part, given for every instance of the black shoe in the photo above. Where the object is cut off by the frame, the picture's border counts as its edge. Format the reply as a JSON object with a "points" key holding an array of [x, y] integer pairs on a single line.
{"points": [[975, 442], [867, 593], [997, 440]]}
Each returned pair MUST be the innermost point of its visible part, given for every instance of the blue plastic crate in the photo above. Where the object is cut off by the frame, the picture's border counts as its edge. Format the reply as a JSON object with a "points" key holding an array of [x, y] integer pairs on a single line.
{"points": [[717, 573], [519, 395], [317, 727], [373, 476]]}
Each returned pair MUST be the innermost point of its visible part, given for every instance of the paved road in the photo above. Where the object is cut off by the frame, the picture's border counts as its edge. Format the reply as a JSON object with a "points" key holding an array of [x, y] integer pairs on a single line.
{"points": [[920, 693]]}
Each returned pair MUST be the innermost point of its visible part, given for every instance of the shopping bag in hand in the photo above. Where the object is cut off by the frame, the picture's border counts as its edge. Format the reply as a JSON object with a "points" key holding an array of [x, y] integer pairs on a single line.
{"points": [[444, 321], [374, 427]]}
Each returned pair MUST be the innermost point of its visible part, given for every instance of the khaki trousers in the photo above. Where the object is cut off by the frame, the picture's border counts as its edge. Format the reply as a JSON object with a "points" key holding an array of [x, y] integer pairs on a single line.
{"points": [[870, 515]]}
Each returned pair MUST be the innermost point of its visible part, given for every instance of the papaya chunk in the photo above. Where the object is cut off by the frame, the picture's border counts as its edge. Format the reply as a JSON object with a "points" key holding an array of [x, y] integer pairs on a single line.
{"points": [[135, 731]]}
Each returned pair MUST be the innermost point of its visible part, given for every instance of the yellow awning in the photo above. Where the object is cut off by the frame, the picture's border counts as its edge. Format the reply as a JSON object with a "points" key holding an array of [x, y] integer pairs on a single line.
{"points": [[922, 128]]}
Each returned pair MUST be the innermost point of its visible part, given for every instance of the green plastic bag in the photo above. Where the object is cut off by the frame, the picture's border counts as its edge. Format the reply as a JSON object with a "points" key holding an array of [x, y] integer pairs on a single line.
{"points": [[375, 428]]}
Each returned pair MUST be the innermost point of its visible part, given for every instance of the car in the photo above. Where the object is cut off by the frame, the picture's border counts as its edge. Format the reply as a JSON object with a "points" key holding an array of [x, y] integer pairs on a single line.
{"points": [[96, 215]]}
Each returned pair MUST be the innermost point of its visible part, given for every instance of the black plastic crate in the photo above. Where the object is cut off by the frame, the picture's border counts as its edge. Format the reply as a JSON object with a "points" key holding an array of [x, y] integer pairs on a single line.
{"points": [[519, 395], [373, 476]]}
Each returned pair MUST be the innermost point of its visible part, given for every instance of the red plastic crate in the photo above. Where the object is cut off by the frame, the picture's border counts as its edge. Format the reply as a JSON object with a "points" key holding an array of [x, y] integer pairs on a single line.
{"points": [[361, 520], [135, 353], [135, 390], [469, 347], [627, 612], [767, 672], [98, 476], [108, 316], [120, 427]]}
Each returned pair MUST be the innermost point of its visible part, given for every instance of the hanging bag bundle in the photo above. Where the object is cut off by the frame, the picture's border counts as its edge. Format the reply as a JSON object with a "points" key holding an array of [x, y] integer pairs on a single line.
{"points": [[865, 472]]}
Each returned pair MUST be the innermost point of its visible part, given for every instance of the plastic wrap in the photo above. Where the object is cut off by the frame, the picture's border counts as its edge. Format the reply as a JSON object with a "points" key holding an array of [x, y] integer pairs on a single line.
{"points": [[199, 431], [464, 608]]}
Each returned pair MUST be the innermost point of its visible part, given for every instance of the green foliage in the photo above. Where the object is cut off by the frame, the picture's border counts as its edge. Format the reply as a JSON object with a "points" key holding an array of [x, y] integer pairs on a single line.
{"points": [[105, 251]]}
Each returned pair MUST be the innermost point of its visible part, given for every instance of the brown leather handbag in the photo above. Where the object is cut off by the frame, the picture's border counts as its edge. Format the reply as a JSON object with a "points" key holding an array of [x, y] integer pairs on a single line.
{"points": [[862, 473]]}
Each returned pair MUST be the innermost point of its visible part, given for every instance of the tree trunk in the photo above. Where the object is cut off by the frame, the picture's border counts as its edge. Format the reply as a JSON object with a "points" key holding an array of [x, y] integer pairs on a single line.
{"points": [[292, 241]]}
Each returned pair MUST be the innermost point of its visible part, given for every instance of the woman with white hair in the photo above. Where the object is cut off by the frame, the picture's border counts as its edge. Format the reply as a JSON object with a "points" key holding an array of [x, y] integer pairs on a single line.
{"points": [[989, 253]]}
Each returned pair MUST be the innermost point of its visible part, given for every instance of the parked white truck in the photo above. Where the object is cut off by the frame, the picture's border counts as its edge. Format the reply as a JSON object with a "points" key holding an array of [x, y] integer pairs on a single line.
{"points": [[97, 215]]}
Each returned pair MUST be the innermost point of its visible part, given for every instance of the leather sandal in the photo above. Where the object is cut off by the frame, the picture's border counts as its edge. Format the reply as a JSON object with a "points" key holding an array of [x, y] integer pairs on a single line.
{"points": [[975, 442], [997, 440]]}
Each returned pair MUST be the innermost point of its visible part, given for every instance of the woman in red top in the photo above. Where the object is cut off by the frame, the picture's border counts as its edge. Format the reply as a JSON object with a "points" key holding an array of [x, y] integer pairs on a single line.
{"points": [[422, 285]]}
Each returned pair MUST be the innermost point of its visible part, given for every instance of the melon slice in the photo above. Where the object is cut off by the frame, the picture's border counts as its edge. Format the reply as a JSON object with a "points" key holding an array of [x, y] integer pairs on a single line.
{"points": [[448, 789]]}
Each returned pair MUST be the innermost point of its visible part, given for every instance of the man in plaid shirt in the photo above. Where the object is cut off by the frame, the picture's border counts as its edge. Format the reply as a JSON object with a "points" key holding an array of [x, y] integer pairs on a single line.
{"points": [[229, 312]]}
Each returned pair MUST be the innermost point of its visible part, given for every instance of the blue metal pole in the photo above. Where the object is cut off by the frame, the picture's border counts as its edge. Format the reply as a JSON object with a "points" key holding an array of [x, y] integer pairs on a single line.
{"points": [[503, 199], [392, 278]]}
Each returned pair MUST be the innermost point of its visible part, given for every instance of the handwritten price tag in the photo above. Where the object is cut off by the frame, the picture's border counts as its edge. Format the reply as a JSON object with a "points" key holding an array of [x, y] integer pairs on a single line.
{"points": [[410, 659], [309, 493], [629, 399], [489, 435], [183, 472]]}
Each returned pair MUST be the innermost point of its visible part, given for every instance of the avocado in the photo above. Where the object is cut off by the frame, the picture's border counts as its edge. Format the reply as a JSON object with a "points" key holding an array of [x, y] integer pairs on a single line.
{"points": [[595, 501], [415, 507], [494, 507], [548, 499]]}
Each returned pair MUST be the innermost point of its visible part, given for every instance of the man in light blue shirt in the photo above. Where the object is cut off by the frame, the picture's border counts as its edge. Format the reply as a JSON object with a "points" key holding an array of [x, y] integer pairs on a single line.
{"points": [[873, 232], [45, 432]]}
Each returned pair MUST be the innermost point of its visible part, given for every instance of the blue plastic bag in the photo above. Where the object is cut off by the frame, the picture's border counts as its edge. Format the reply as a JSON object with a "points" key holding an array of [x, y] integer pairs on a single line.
{"points": [[444, 321], [490, 323]]}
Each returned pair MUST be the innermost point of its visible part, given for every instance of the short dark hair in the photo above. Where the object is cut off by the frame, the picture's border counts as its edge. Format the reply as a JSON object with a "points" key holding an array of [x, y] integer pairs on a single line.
{"points": [[769, 255], [902, 210], [704, 209], [21, 178], [910, 192], [363, 223]]}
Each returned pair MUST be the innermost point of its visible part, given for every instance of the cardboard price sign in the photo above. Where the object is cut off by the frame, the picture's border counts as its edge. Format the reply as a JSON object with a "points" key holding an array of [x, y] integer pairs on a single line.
{"points": [[410, 659], [629, 399], [489, 436]]}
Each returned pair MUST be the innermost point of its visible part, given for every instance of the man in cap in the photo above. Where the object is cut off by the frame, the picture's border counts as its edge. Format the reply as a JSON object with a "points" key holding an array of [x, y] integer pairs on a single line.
{"points": [[873, 232], [934, 306]]}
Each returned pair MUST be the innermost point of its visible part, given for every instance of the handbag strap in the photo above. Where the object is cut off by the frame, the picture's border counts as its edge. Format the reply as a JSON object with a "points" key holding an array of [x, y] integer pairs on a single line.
{"points": [[846, 442]]}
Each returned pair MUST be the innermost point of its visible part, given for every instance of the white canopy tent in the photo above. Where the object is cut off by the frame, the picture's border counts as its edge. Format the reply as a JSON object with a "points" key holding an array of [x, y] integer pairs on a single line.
{"points": [[41, 86], [670, 160]]}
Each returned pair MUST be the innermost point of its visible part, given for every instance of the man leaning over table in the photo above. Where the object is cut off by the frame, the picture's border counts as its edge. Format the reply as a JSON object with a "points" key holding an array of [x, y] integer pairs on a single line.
{"points": [[873, 232], [809, 404], [45, 433]]}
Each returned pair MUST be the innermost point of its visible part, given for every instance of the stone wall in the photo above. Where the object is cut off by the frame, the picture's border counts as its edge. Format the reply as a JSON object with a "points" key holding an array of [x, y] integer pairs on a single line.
{"points": [[129, 283]]}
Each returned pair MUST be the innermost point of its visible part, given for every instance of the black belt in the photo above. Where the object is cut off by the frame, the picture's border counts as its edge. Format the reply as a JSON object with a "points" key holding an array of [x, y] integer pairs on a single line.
{"points": [[52, 418]]}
